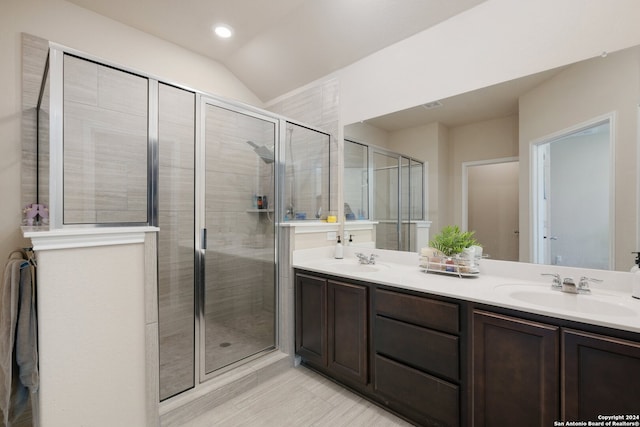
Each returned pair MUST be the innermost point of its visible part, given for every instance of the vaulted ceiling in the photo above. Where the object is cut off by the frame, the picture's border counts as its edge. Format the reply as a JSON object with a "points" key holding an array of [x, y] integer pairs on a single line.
{"points": [[280, 45]]}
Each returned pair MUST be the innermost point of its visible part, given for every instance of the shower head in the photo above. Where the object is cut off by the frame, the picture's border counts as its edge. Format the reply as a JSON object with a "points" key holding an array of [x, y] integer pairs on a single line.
{"points": [[265, 153]]}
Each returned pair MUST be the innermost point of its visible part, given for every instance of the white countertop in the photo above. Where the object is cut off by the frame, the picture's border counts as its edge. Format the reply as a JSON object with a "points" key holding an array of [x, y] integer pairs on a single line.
{"points": [[400, 269]]}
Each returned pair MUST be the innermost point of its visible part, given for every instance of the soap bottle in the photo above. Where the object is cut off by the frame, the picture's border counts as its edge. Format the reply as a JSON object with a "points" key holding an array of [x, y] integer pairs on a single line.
{"points": [[339, 252], [350, 240], [635, 290]]}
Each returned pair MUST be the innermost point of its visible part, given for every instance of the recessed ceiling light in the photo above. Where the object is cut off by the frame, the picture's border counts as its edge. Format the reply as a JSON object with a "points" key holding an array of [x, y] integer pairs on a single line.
{"points": [[223, 31]]}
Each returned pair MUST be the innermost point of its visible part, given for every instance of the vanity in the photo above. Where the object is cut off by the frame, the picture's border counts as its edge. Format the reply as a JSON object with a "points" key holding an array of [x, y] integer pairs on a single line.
{"points": [[501, 348]]}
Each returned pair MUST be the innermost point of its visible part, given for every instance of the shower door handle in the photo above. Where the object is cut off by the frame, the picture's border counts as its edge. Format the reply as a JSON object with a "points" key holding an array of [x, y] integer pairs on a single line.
{"points": [[203, 238]]}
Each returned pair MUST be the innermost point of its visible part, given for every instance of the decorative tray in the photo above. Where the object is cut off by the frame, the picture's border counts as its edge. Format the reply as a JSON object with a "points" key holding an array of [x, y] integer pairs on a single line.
{"points": [[451, 267], [449, 273]]}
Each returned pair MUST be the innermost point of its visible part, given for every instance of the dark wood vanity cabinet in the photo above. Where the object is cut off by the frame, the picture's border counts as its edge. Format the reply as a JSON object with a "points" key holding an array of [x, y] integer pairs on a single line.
{"points": [[601, 376], [533, 373], [332, 327], [311, 319], [515, 371], [444, 362], [415, 354], [417, 357]]}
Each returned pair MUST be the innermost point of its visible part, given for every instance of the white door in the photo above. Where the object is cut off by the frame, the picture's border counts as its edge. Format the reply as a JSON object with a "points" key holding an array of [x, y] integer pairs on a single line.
{"points": [[573, 198], [492, 207]]}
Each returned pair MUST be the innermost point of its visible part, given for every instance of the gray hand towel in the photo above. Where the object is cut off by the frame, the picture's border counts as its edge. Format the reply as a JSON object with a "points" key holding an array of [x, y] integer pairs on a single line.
{"points": [[18, 338], [8, 316]]}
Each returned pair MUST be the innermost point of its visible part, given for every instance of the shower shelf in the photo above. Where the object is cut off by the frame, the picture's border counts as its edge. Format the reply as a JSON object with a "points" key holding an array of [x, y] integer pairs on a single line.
{"points": [[259, 210]]}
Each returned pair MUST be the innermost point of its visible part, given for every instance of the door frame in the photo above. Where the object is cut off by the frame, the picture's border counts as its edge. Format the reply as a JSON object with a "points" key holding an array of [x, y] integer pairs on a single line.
{"points": [[465, 182], [536, 185], [202, 101]]}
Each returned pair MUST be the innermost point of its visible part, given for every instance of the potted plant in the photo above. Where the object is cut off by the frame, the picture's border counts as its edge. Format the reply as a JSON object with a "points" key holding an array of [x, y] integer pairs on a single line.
{"points": [[451, 241]]}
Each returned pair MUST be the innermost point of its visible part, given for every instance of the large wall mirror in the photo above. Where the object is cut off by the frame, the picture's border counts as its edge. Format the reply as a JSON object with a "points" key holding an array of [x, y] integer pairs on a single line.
{"points": [[388, 188], [544, 168]]}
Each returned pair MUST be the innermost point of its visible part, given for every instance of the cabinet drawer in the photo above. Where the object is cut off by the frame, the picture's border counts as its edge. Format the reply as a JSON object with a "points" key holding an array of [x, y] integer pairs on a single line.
{"points": [[427, 312], [434, 401], [422, 348]]}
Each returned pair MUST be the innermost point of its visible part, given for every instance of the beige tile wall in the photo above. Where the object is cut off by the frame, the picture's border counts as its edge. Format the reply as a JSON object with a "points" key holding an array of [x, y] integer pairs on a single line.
{"points": [[34, 57], [105, 144], [176, 210], [318, 107], [240, 271]]}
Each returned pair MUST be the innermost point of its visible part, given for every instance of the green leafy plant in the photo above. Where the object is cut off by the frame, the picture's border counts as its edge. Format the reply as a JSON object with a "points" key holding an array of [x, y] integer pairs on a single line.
{"points": [[451, 240]]}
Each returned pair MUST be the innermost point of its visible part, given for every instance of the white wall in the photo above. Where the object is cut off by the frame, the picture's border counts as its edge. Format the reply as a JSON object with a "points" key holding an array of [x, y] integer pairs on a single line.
{"points": [[561, 103], [91, 320], [486, 140], [496, 41], [430, 144], [72, 26], [367, 134]]}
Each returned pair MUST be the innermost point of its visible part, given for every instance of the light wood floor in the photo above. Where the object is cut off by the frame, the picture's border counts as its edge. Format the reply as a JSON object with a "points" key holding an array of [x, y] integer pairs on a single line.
{"points": [[297, 397]]}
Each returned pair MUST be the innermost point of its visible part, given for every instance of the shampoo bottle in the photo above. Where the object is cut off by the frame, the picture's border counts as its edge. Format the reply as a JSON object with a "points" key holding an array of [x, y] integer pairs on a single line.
{"points": [[339, 252]]}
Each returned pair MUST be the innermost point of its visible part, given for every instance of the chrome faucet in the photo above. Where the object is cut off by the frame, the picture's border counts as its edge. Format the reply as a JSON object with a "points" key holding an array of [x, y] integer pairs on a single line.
{"points": [[583, 284], [363, 259], [556, 284], [569, 286]]}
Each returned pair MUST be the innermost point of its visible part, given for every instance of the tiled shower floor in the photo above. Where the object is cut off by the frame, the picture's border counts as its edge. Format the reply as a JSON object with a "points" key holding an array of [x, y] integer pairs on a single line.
{"points": [[226, 339]]}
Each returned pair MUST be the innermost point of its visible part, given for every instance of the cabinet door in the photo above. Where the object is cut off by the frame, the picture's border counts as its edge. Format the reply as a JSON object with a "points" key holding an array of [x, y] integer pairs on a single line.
{"points": [[601, 376], [515, 371], [348, 331], [311, 320]]}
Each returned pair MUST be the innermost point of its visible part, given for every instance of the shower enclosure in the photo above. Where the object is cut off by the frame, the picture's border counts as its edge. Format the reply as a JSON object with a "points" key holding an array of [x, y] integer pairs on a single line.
{"points": [[217, 252], [398, 200], [391, 186], [120, 148], [237, 308]]}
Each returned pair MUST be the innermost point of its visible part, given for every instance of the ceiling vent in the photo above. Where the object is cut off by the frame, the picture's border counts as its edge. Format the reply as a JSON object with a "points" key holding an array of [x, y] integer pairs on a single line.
{"points": [[432, 105]]}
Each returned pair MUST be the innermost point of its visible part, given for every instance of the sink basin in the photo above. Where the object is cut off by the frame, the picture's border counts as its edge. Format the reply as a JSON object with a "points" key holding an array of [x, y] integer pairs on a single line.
{"points": [[597, 303], [352, 267]]}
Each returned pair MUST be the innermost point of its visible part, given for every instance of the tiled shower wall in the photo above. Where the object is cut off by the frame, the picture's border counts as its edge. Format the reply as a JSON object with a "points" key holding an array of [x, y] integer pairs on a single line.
{"points": [[34, 57], [318, 107], [243, 240], [176, 219], [105, 144], [306, 183]]}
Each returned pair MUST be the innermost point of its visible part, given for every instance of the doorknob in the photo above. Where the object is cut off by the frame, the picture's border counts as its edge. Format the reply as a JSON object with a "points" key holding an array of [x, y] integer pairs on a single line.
{"points": [[551, 237]]}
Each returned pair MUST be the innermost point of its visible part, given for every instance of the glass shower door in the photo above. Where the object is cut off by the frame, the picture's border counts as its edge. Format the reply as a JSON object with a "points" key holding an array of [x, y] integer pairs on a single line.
{"points": [[386, 199], [238, 294]]}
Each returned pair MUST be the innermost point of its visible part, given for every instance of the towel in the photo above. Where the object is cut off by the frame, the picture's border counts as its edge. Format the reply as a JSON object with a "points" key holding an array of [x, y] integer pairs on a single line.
{"points": [[26, 331], [18, 338]]}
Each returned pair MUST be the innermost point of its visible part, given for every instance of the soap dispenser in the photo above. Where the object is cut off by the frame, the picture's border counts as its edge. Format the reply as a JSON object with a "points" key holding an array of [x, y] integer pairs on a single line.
{"points": [[635, 291], [339, 252]]}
